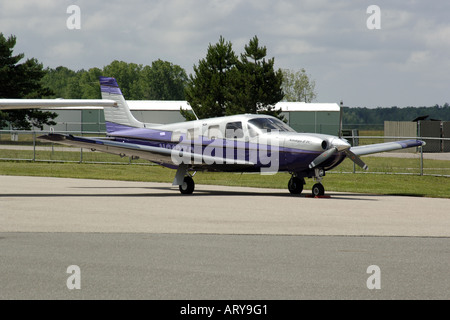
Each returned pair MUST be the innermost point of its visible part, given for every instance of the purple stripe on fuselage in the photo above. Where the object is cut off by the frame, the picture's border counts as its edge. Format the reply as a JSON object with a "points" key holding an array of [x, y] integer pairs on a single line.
{"points": [[290, 159], [120, 131]]}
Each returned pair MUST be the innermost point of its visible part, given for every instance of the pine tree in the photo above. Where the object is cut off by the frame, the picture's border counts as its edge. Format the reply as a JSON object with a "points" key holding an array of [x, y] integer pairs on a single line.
{"points": [[207, 90], [22, 81], [257, 86]]}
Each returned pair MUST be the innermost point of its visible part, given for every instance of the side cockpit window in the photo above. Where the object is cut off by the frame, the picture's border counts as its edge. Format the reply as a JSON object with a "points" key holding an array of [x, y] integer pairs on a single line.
{"points": [[234, 130]]}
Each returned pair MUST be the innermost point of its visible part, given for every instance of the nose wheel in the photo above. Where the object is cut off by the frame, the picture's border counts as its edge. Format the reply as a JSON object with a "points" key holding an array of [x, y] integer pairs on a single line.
{"points": [[318, 190]]}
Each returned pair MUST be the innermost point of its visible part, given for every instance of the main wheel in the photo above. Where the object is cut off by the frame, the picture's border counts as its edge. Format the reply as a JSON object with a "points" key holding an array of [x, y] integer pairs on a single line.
{"points": [[318, 190], [295, 185], [188, 186]]}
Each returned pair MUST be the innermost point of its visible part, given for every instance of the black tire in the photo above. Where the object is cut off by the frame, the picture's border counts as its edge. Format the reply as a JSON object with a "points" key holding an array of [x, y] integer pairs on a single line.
{"points": [[295, 185], [318, 190], [188, 186]]}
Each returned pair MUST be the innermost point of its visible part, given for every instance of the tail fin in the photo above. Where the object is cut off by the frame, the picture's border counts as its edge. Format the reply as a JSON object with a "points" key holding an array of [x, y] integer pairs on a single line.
{"points": [[120, 117]]}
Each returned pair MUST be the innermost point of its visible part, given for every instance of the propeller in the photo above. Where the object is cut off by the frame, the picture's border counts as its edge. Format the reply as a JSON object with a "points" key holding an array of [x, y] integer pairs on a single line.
{"points": [[323, 157], [337, 145], [356, 159]]}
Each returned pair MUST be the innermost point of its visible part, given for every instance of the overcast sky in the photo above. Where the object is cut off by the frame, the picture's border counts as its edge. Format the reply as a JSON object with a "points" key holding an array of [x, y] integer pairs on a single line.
{"points": [[404, 63]]}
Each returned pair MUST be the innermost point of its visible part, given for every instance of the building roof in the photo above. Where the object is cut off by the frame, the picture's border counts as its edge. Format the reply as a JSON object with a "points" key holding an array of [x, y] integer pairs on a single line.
{"points": [[303, 106]]}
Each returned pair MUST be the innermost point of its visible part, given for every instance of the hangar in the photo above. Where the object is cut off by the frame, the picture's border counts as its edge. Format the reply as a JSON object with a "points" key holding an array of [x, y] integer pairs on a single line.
{"points": [[301, 116]]}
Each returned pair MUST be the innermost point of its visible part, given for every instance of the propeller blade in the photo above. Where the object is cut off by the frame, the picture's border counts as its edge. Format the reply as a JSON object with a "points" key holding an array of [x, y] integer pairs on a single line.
{"points": [[356, 159], [323, 157]]}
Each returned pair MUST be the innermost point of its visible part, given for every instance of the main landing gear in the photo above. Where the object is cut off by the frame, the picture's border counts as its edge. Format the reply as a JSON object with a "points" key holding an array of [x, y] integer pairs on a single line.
{"points": [[296, 184], [188, 185], [184, 180]]}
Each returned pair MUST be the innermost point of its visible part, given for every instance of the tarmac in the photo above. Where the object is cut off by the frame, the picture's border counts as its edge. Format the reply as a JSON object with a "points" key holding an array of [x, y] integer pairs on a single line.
{"points": [[135, 240], [34, 204]]}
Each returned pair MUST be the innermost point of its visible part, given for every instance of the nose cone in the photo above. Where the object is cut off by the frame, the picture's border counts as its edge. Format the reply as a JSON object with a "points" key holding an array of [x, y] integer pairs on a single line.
{"points": [[340, 144]]}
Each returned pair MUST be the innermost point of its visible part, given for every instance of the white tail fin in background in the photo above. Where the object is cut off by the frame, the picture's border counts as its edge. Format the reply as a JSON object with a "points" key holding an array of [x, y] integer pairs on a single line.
{"points": [[120, 117]]}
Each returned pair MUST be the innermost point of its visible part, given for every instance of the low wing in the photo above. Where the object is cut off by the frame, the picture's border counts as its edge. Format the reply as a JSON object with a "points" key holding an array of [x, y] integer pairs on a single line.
{"points": [[12, 104], [159, 155], [387, 146]]}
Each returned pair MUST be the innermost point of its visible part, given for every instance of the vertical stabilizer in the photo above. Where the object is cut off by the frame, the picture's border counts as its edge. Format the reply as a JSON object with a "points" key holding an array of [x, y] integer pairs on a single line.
{"points": [[120, 117]]}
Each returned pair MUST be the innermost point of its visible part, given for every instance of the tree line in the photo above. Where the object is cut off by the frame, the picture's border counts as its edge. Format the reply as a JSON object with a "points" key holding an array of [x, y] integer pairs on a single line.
{"points": [[367, 117], [223, 83], [161, 80]]}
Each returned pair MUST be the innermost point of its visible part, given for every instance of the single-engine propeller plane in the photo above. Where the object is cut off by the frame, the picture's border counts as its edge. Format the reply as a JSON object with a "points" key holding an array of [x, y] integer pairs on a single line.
{"points": [[241, 143]]}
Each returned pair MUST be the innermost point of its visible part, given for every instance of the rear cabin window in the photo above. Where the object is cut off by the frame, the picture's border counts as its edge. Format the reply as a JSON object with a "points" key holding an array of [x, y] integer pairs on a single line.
{"points": [[214, 132]]}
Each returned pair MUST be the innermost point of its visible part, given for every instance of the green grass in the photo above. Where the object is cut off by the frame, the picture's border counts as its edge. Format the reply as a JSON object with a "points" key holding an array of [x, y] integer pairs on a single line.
{"points": [[411, 185], [376, 164]]}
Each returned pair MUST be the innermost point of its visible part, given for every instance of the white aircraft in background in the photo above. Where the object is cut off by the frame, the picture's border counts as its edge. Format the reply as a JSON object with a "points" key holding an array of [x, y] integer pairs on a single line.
{"points": [[241, 143]]}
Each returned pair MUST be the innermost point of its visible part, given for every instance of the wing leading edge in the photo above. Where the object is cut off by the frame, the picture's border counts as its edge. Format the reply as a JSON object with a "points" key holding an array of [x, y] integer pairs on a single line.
{"points": [[163, 156]]}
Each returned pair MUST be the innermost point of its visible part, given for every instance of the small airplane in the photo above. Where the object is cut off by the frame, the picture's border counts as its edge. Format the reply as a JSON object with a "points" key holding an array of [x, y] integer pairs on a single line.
{"points": [[240, 143]]}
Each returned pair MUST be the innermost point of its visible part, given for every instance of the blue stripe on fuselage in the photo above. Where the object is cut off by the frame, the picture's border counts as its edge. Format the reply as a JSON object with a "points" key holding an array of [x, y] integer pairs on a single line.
{"points": [[290, 159]]}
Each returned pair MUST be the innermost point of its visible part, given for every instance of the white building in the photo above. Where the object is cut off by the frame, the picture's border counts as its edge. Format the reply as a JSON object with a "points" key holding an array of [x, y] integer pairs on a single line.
{"points": [[303, 117]]}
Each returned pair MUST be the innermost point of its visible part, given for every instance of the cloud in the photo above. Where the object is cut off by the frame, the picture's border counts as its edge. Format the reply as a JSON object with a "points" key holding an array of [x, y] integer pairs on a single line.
{"points": [[327, 38]]}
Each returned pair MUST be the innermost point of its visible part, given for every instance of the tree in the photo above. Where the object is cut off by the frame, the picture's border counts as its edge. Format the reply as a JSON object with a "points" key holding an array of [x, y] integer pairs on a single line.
{"points": [[58, 80], [208, 90], [223, 84], [22, 80], [163, 81], [89, 83], [127, 76], [298, 86], [256, 86]]}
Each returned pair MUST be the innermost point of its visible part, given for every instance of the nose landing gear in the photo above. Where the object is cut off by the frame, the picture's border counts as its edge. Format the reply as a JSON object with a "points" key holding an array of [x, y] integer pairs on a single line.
{"points": [[296, 183], [318, 190]]}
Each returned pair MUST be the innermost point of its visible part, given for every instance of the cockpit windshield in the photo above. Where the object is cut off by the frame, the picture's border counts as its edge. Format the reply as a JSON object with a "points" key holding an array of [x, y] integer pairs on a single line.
{"points": [[270, 124]]}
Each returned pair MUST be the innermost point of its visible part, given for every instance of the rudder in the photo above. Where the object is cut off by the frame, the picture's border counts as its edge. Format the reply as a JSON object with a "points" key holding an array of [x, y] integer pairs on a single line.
{"points": [[120, 117]]}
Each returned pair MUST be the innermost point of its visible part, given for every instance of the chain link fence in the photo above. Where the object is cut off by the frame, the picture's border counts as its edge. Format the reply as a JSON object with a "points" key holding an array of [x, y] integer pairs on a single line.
{"points": [[24, 146]]}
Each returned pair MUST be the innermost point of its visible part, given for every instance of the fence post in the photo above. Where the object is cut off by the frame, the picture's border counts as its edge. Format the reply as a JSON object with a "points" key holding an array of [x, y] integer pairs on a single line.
{"points": [[421, 147], [421, 160], [34, 146]]}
